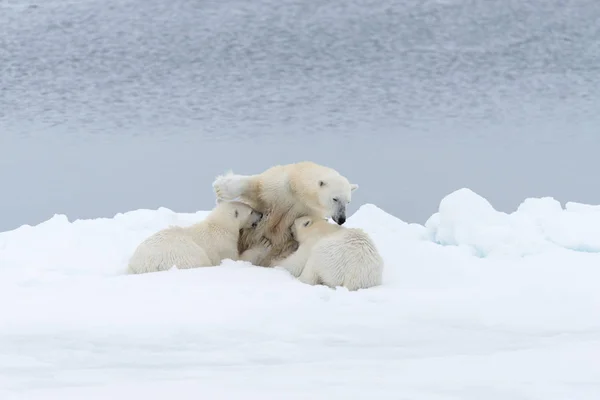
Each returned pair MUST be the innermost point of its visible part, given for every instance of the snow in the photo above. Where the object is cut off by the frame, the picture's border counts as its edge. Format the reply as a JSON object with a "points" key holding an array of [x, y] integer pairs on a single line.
{"points": [[475, 304], [466, 219]]}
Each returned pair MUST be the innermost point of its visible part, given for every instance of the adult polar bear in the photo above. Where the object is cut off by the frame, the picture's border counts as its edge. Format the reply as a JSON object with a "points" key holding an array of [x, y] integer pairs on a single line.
{"points": [[282, 194]]}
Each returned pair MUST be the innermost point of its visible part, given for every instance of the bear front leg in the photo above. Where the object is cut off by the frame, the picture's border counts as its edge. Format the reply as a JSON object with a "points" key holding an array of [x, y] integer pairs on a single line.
{"points": [[257, 254], [232, 186], [309, 275], [294, 263]]}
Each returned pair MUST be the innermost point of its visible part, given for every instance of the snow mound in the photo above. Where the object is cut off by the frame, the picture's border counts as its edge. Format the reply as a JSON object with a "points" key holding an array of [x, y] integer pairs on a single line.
{"points": [[100, 247], [446, 323], [469, 221]]}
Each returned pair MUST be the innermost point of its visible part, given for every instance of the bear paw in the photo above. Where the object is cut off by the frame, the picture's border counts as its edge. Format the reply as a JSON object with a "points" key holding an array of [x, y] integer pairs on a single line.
{"points": [[229, 186], [266, 243]]}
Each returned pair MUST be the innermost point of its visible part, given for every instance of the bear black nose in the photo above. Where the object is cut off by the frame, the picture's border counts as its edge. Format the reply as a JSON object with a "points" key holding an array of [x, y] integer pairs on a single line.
{"points": [[340, 220]]}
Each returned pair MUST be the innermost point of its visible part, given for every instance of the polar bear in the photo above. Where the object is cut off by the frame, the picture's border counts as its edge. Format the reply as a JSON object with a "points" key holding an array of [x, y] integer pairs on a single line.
{"points": [[332, 255], [203, 244], [283, 193]]}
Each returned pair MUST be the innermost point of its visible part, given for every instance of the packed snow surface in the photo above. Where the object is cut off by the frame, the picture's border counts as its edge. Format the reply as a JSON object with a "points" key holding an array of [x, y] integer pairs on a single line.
{"points": [[476, 304]]}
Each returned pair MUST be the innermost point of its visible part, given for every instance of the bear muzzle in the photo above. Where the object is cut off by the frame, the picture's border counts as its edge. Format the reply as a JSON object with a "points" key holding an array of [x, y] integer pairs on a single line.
{"points": [[339, 218], [256, 218]]}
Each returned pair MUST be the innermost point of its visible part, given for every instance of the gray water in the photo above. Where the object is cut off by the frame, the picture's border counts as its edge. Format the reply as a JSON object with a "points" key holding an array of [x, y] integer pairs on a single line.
{"points": [[113, 105]]}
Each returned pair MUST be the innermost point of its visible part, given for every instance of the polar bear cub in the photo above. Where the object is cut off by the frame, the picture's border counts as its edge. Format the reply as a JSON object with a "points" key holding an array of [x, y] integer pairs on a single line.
{"points": [[332, 255], [203, 244]]}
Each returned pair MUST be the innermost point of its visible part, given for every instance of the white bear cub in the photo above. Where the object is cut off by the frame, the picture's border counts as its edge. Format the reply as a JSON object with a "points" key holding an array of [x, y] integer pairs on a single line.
{"points": [[332, 255], [203, 244]]}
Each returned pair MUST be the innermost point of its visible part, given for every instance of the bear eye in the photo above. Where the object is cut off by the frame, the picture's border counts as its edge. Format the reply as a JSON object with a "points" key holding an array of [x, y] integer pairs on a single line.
{"points": [[321, 183], [236, 213], [307, 223], [336, 199]]}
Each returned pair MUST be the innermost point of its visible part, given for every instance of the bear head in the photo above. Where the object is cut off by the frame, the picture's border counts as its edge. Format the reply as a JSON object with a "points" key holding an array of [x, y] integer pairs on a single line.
{"points": [[325, 191], [307, 227], [241, 215]]}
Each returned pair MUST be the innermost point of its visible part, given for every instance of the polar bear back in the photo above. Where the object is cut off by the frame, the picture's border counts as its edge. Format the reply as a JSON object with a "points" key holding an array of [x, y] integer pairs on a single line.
{"points": [[346, 258], [171, 247]]}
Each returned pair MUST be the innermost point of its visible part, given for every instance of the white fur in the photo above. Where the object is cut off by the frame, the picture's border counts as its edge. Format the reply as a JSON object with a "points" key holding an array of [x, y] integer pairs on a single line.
{"points": [[283, 193], [203, 244], [333, 256], [229, 186]]}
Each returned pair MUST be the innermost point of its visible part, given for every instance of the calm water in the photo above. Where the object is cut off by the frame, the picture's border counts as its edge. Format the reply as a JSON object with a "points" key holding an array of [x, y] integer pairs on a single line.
{"points": [[113, 105]]}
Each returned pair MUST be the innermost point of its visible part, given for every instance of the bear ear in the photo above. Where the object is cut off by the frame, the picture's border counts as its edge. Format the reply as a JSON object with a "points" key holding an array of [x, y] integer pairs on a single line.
{"points": [[353, 187], [321, 183]]}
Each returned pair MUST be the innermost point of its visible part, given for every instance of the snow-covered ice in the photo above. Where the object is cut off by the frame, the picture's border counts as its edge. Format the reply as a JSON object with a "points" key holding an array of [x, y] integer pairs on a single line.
{"points": [[476, 304]]}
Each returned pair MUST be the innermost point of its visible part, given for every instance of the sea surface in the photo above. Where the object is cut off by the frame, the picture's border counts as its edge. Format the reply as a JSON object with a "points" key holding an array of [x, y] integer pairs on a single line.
{"points": [[116, 105]]}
